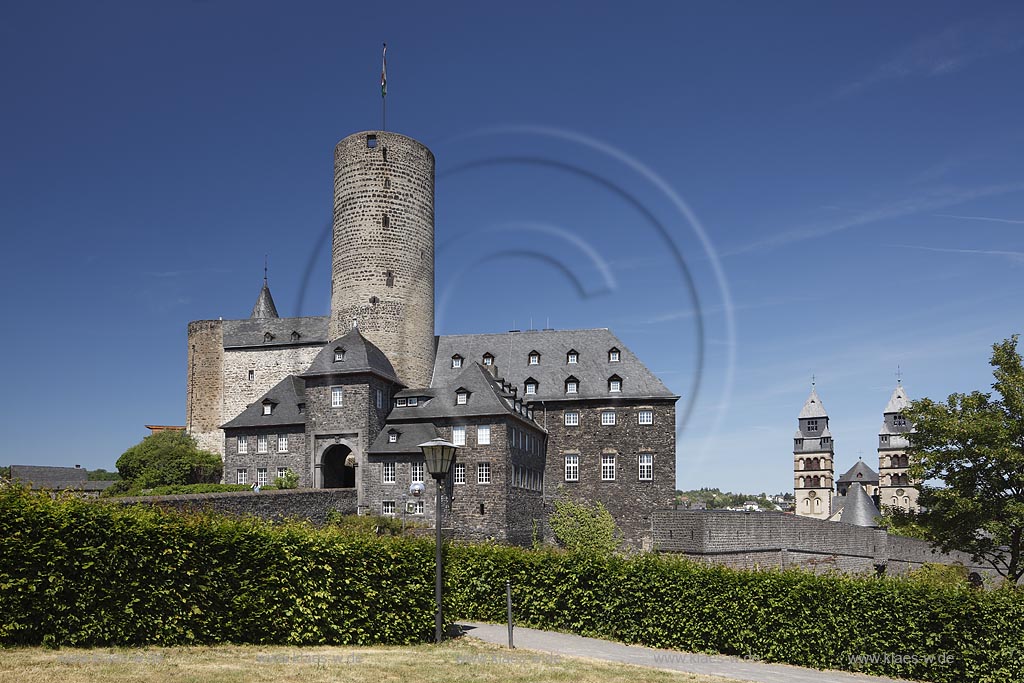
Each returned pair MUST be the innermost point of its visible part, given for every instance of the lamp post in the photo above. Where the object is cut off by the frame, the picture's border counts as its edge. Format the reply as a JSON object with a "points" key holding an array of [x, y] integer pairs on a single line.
{"points": [[439, 455]]}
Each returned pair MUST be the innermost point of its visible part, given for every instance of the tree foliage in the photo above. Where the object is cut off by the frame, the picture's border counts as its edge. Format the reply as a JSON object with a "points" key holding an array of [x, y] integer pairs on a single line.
{"points": [[586, 527], [974, 443], [169, 458], [103, 475]]}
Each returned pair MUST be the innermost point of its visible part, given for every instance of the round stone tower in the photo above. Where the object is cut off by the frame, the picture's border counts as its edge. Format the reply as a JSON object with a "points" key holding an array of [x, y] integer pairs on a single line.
{"points": [[382, 272]]}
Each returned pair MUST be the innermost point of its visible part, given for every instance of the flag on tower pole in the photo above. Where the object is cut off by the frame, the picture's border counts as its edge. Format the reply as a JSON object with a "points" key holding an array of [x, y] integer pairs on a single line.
{"points": [[384, 72]]}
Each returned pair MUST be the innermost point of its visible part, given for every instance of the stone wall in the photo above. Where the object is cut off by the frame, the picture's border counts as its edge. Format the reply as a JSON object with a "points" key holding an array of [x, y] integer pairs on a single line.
{"points": [[383, 248], [774, 539], [204, 384], [274, 505], [270, 365], [296, 457], [629, 499]]}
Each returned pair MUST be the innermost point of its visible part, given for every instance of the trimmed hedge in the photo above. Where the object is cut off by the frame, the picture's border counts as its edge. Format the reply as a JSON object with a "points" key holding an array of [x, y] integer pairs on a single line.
{"points": [[80, 573], [837, 622]]}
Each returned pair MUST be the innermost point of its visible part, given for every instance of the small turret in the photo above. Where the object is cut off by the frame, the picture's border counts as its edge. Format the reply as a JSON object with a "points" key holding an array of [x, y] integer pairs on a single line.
{"points": [[264, 307]]}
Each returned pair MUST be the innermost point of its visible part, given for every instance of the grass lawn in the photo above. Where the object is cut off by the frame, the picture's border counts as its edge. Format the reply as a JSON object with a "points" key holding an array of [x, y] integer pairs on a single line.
{"points": [[460, 660]]}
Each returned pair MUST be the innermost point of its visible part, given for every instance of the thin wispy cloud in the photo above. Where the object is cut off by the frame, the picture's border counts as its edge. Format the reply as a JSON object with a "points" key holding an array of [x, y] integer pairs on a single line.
{"points": [[981, 218], [1015, 256], [923, 203], [948, 51]]}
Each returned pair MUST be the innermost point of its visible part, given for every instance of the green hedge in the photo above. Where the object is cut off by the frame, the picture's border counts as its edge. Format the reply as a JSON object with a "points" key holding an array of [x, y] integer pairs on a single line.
{"points": [[80, 573], [793, 616]]}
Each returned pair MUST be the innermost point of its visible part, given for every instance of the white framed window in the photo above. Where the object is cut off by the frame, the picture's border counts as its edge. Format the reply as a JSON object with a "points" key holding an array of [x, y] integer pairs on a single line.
{"points": [[534, 358], [339, 355], [243, 445], [252, 375], [380, 399], [261, 443], [282, 443], [413, 400], [645, 466], [488, 359], [418, 507], [462, 398], [337, 397], [571, 386], [645, 417], [387, 475], [241, 476], [459, 435], [261, 476], [615, 385], [387, 508], [608, 467], [460, 473], [613, 355], [572, 418], [607, 417], [393, 437], [418, 469], [483, 473], [531, 388], [400, 402], [281, 471], [456, 361], [268, 408], [572, 358], [572, 468], [483, 435]]}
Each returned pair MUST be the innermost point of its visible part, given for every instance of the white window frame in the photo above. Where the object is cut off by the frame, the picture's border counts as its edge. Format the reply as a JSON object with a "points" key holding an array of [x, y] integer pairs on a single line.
{"points": [[387, 474], [645, 417], [261, 476], [281, 471], [607, 418], [572, 387], [392, 437], [531, 388], [460, 473], [613, 356], [534, 359], [645, 467], [572, 418], [399, 402], [459, 435], [483, 473], [419, 507], [615, 386], [456, 362], [572, 467], [282, 443], [419, 472], [414, 400], [268, 408], [483, 435], [261, 443], [488, 360], [337, 396], [607, 467], [573, 358], [242, 445], [241, 475], [387, 508], [461, 398]]}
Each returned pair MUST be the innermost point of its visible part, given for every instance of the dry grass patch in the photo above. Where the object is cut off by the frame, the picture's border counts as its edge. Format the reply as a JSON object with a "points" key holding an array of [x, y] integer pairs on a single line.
{"points": [[455, 661]]}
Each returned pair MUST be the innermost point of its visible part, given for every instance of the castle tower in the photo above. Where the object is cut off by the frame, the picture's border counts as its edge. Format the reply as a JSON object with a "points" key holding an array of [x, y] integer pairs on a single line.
{"points": [[895, 486], [382, 274], [813, 456]]}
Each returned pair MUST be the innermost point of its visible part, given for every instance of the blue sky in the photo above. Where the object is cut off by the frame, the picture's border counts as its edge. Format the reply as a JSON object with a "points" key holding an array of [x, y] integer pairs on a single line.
{"points": [[749, 194]]}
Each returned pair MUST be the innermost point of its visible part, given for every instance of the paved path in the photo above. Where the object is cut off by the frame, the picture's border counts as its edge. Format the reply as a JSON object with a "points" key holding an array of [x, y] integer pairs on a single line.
{"points": [[564, 644]]}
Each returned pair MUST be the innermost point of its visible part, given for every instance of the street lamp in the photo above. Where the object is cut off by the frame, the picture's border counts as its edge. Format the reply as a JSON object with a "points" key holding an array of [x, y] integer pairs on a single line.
{"points": [[440, 455]]}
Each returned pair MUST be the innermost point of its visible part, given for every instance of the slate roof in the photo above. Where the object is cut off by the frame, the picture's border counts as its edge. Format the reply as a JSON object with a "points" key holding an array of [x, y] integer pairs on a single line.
{"points": [[361, 356], [813, 406], [264, 307], [858, 509], [410, 436], [56, 478], [287, 395], [486, 397], [867, 475], [898, 402], [511, 352], [252, 331]]}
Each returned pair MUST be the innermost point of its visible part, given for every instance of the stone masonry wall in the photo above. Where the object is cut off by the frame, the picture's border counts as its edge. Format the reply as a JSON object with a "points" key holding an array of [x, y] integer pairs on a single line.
{"points": [[312, 504], [296, 458], [204, 384], [383, 248], [269, 365]]}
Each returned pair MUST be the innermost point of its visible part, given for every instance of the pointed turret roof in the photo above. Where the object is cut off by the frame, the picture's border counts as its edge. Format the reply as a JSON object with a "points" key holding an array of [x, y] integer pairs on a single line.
{"points": [[898, 402], [813, 407], [859, 509], [264, 307]]}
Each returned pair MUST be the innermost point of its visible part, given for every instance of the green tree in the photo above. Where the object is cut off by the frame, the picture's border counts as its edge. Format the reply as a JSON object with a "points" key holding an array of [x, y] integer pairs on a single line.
{"points": [[974, 443], [166, 459], [579, 526], [103, 475]]}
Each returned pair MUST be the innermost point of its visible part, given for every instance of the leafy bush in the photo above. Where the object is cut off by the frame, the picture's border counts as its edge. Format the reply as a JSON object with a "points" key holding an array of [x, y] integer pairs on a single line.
{"points": [[371, 525], [167, 458], [582, 526], [193, 488], [289, 480]]}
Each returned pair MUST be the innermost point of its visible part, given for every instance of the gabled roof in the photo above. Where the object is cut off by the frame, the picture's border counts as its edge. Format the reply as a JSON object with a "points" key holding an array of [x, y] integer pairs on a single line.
{"points": [[264, 307], [410, 436], [251, 331], [898, 402], [56, 478], [512, 350], [813, 406], [867, 475], [859, 509], [361, 357], [287, 394]]}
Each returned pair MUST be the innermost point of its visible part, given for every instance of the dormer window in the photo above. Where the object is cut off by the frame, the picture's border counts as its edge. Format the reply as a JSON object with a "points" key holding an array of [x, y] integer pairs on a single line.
{"points": [[573, 357], [572, 385], [461, 397], [268, 407], [615, 384], [392, 437], [302, 408], [613, 355], [488, 359], [267, 337], [399, 402], [339, 354], [530, 386], [534, 358], [413, 400], [456, 361]]}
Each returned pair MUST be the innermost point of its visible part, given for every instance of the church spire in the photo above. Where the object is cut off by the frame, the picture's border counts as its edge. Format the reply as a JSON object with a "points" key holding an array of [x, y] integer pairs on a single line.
{"points": [[264, 307]]}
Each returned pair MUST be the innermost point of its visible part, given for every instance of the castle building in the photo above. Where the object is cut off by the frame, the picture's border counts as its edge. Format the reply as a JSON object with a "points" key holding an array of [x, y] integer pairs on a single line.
{"points": [[344, 400], [813, 453]]}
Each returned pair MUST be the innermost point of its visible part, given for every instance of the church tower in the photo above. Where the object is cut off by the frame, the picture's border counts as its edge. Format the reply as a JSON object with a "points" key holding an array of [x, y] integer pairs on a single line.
{"points": [[813, 455], [895, 486], [382, 272]]}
